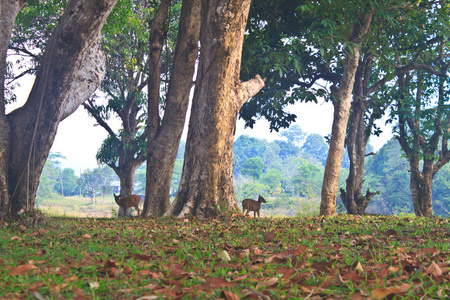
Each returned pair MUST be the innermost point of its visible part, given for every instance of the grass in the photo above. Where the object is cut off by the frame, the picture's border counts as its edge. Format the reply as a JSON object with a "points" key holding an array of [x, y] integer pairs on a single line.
{"points": [[170, 258]]}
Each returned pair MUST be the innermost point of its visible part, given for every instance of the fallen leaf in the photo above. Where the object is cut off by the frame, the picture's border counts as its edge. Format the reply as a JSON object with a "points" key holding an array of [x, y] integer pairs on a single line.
{"points": [[111, 263], [229, 295], [333, 280], [224, 255], [359, 267], [380, 293], [434, 269], [94, 285], [268, 282], [23, 270], [243, 254]]}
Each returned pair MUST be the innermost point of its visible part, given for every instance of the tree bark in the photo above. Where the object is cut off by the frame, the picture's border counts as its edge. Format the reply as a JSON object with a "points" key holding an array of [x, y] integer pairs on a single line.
{"points": [[156, 40], [357, 138], [206, 185], [341, 98], [71, 69], [163, 145], [9, 9]]}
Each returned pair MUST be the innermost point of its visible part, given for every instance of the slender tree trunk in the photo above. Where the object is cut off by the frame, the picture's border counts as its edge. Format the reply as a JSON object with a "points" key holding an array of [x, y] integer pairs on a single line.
{"points": [[9, 9], [341, 101], [71, 69], [163, 146], [352, 197], [354, 200], [206, 185]]}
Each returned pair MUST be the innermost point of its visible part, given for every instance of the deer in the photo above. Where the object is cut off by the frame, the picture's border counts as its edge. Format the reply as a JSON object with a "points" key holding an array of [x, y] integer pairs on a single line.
{"points": [[252, 205], [127, 202]]}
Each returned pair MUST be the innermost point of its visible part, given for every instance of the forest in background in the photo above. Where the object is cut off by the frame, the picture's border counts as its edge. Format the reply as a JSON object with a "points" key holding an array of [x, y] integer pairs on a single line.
{"points": [[288, 172]]}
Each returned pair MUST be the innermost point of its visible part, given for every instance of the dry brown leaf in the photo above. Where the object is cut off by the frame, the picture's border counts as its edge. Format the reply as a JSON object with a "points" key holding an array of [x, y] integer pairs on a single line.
{"points": [[359, 267], [427, 252], [268, 282], [333, 280], [111, 263], [23, 270], [393, 269], [434, 269], [243, 254], [380, 293], [356, 296], [245, 276], [229, 295]]}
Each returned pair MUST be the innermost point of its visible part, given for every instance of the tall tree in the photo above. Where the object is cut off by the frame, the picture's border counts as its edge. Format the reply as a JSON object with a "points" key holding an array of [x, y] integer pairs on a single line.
{"points": [[341, 97], [207, 180], [126, 42], [424, 127], [71, 68], [364, 113], [164, 137]]}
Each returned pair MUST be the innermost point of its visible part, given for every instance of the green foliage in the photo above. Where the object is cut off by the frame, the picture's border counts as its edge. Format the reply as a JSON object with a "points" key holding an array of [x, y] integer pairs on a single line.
{"points": [[96, 182], [51, 177], [308, 182], [67, 183], [253, 167], [387, 172], [316, 146]]}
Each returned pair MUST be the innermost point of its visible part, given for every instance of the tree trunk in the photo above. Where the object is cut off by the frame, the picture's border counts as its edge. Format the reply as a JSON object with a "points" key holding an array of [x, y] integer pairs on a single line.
{"points": [[341, 98], [163, 146], [352, 197], [71, 69], [156, 40], [9, 9], [206, 185]]}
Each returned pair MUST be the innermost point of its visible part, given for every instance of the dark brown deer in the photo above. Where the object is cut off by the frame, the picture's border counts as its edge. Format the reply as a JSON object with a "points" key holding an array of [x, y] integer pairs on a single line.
{"points": [[253, 205], [127, 202]]}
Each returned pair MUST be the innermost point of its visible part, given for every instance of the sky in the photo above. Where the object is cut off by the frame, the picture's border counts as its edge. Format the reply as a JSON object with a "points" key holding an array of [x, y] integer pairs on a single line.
{"points": [[78, 138]]}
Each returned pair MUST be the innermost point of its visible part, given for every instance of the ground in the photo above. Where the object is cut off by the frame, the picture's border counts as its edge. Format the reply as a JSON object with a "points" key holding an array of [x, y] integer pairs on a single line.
{"points": [[230, 257]]}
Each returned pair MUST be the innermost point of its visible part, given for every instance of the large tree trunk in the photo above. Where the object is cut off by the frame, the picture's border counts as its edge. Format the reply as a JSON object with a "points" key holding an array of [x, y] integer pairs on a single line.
{"points": [[207, 182], [163, 144], [71, 69], [341, 98], [421, 193], [9, 9]]}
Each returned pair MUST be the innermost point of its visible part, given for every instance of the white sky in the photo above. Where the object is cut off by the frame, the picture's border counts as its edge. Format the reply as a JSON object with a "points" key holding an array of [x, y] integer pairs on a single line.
{"points": [[78, 139]]}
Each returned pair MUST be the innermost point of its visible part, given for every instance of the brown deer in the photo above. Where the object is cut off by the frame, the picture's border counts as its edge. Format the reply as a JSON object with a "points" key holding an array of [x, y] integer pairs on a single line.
{"points": [[127, 202], [253, 205]]}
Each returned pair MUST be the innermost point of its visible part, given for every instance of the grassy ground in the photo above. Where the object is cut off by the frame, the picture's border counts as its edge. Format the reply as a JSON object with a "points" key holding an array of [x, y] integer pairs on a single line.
{"points": [[75, 206], [231, 257]]}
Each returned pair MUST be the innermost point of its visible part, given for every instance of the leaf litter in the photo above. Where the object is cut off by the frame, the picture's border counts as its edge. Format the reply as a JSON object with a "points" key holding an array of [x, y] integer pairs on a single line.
{"points": [[230, 257]]}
